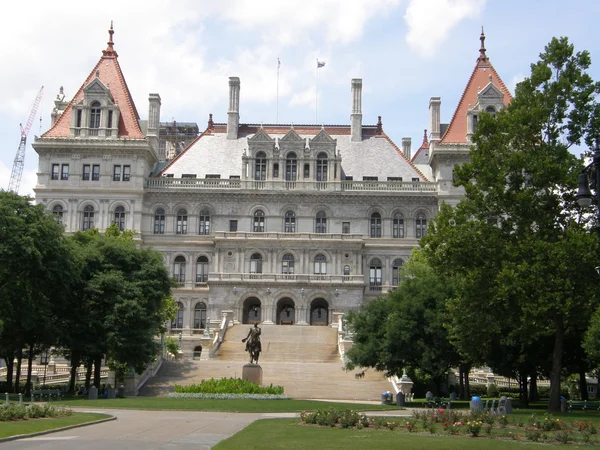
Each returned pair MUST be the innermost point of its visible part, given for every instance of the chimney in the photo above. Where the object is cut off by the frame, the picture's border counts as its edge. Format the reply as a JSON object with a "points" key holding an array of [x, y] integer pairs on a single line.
{"points": [[434, 117], [233, 115], [406, 147], [356, 116], [153, 120]]}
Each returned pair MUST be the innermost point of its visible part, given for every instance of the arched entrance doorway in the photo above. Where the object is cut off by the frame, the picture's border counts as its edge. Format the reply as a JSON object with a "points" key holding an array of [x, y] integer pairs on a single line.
{"points": [[197, 352], [319, 312], [252, 311], [286, 312]]}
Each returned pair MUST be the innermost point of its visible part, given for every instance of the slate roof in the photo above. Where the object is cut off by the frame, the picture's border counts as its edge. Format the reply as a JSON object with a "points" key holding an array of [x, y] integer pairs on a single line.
{"points": [[375, 156], [110, 74], [456, 133]]}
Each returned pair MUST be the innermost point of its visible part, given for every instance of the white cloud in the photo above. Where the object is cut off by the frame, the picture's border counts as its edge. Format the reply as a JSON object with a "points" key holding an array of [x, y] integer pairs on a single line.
{"points": [[430, 21]]}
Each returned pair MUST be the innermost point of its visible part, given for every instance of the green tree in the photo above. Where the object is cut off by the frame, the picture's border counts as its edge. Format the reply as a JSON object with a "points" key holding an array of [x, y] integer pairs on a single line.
{"points": [[406, 329], [517, 245]]}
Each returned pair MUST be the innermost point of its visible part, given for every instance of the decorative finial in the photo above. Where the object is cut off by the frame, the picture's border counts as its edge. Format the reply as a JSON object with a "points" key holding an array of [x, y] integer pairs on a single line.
{"points": [[379, 126], [97, 74], [292, 126], [211, 124], [261, 126], [425, 142], [482, 55], [110, 51], [490, 77]]}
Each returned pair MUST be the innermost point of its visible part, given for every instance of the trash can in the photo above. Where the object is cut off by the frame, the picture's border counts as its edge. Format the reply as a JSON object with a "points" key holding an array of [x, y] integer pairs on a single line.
{"points": [[476, 404], [121, 392], [400, 399], [508, 405], [93, 393], [386, 398]]}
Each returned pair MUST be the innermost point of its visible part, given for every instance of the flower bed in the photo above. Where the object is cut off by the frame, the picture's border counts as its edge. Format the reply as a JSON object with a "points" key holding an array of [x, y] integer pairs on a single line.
{"points": [[228, 386], [229, 396], [12, 411], [452, 422]]}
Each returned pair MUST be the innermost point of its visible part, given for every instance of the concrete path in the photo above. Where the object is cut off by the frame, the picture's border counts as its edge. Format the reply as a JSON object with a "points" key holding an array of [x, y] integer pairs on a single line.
{"points": [[156, 430]]}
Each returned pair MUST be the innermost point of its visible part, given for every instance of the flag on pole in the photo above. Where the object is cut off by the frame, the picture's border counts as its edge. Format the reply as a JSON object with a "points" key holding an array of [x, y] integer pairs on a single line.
{"points": [[278, 63], [320, 64]]}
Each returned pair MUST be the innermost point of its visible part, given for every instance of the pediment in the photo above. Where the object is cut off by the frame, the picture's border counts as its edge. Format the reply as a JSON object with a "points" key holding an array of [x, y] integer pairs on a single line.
{"points": [[261, 136], [322, 138], [292, 136], [96, 87], [490, 92]]}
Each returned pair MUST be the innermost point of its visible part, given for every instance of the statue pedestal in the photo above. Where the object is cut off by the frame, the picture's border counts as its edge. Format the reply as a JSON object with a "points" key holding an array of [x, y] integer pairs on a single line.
{"points": [[252, 372]]}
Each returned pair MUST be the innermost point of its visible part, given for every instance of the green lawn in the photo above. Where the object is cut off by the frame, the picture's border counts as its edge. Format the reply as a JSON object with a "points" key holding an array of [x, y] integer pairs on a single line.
{"points": [[36, 425], [236, 405], [289, 434]]}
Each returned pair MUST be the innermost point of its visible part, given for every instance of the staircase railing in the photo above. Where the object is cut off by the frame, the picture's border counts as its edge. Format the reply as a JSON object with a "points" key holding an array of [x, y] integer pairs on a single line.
{"points": [[219, 335]]}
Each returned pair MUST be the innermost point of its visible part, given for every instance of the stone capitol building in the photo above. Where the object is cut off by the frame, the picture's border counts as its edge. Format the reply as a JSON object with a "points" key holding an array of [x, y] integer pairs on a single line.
{"points": [[279, 224]]}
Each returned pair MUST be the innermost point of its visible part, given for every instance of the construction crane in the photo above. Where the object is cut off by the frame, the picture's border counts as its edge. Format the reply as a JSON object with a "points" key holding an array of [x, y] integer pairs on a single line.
{"points": [[17, 170]]}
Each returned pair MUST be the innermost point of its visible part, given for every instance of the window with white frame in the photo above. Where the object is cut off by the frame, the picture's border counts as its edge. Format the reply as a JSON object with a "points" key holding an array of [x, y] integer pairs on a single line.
{"points": [[256, 263], [182, 221], [398, 226], [58, 213], [289, 225], [55, 171], [179, 269], [320, 264], [120, 217], [420, 226], [204, 222], [321, 222], [177, 322], [159, 221], [287, 264], [260, 166], [291, 167], [202, 269], [375, 279], [322, 167], [375, 225], [396, 270], [200, 315], [88, 218], [259, 221], [95, 115]]}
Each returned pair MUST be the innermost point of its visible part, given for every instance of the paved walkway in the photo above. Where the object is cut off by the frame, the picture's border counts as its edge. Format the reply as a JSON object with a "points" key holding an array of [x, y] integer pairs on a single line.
{"points": [[156, 430]]}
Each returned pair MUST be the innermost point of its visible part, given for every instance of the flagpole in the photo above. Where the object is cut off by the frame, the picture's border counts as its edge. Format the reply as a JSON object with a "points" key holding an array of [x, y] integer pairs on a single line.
{"points": [[277, 114], [317, 93]]}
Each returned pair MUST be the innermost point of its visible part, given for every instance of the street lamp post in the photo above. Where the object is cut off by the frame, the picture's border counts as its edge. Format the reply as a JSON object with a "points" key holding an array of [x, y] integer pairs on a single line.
{"points": [[44, 358], [584, 196]]}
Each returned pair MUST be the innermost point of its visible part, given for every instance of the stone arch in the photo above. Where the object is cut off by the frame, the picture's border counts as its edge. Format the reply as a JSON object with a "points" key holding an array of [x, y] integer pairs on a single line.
{"points": [[319, 312], [286, 311], [252, 310]]}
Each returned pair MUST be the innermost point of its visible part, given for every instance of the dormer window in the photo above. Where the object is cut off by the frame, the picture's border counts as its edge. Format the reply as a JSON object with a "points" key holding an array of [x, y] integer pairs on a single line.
{"points": [[490, 110], [95, 115]]}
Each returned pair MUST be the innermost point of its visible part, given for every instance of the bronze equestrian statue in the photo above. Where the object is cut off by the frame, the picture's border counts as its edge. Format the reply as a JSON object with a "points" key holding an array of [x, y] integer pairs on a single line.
{"points": [[253, 346]]}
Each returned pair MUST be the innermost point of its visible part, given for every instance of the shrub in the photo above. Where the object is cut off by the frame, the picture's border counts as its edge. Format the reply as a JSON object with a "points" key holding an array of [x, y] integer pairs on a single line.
{"points": [[474, 427], [478, 389], [12, 411], [228, 386], [349, 418], [563, 436], [492, 391]]}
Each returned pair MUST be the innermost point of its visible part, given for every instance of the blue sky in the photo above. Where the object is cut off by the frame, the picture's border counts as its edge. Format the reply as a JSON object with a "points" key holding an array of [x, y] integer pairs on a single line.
{"points": [[406, 51]]}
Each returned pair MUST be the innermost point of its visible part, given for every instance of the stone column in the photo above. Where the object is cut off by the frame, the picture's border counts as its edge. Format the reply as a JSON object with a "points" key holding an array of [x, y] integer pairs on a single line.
{"points": [[233, 114], [356, 115]]}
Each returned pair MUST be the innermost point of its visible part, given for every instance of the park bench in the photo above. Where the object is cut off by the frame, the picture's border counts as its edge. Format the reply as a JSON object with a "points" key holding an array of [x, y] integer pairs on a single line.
{"points": [[439, 402], [583, 405], [46, 395]]}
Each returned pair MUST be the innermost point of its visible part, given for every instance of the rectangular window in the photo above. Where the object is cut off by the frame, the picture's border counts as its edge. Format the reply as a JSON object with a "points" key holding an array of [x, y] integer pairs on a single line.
{"points": [[233, 225], [109, 121], [117, 173], [213, 175], [78, 122], [276, 170], [188, 175], [345, 227], [169, 175], [55, 171], [96, 172], [126, 173], [370, 178], [234, 177], [394, 178], [86, 172], [306, 170], [415, 179], [349, 178], [64, 174]]}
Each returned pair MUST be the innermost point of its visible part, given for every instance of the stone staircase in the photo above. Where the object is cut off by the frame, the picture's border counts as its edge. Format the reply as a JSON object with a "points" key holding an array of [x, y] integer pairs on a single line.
{"points": [[302, 359]]}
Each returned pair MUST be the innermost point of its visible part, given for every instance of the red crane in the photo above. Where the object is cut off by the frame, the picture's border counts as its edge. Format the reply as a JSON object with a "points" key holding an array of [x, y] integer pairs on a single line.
{"points": [[17, 170]]}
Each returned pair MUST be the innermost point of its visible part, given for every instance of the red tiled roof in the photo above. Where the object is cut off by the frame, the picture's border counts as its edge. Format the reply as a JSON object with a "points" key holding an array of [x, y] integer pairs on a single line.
{"points": [[109, 73], [424, 146], [457, 130]]}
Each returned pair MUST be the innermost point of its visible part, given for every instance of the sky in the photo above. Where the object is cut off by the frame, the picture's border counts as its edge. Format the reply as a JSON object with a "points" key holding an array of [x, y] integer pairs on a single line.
{"points": [[406, 51]]}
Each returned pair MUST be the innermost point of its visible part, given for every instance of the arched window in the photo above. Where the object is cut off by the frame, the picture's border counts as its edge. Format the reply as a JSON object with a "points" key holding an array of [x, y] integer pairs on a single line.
{"points": [[179, 269], [287, 264], [346, 270], [398, 226], [200, 315], [420, 226], [260, 166], [490, 110], [202, 269], [375, 274], [322, 167], [177, 322], [291, 167], [375, 225], [289, 225], [259, 221], [88, 218], [396, 268], [159, 221], [256, 263], [120, 217], [182, 220], [320, 265], [204, 222], [321, 222], [58, 213], [95, 115]]}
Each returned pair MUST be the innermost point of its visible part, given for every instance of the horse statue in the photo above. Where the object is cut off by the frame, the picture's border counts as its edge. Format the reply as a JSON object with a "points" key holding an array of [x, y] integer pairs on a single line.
{"points": [[253, 346]]}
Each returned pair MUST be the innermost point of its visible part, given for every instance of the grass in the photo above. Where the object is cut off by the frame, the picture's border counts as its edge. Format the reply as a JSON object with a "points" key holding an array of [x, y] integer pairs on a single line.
{"points": [[289, 434], [36, 425], [234, 405]]}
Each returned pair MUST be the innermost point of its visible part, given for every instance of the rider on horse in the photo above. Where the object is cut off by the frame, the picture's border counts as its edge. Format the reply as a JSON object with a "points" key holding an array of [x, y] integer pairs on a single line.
{"points": [[253, 346]]}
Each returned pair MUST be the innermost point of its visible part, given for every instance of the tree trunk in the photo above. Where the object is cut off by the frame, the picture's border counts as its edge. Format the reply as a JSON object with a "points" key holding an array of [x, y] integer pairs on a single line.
{"points": [[523, 385], [461, 381], [583, 390], [29, 368], [10, 366], [75, 361], [467, 382], [557, 354], [18, 374], [533, 392], [88, 372], [598, 384], [97, 364]]}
